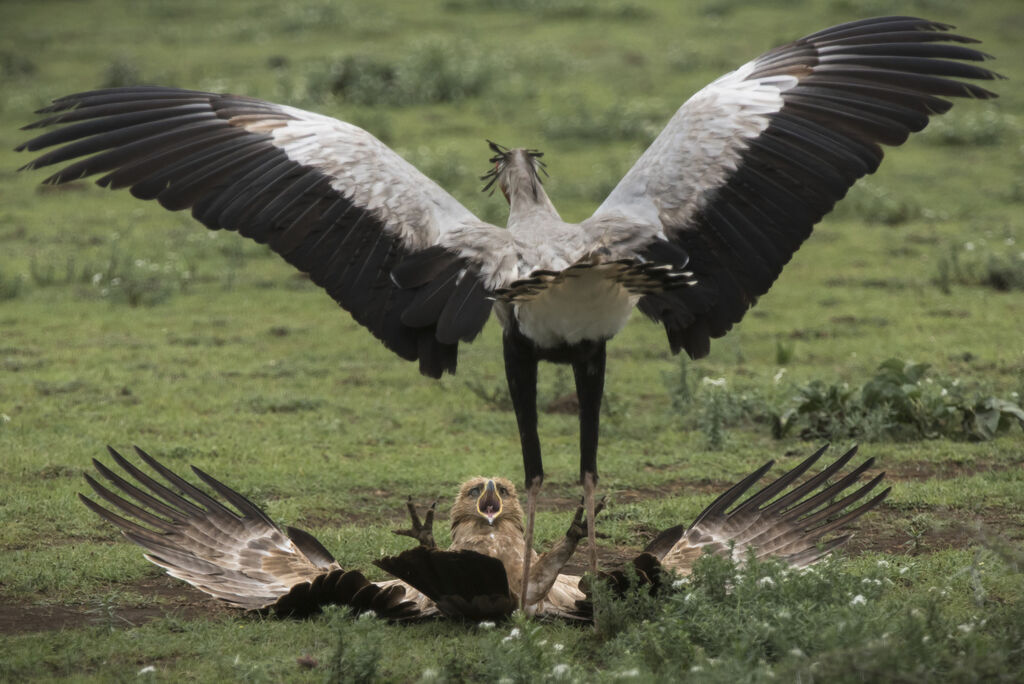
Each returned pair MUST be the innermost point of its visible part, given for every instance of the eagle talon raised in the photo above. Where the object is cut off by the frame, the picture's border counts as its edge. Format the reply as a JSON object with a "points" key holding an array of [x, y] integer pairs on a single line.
{"points": [[578, 528], [423, 532]]}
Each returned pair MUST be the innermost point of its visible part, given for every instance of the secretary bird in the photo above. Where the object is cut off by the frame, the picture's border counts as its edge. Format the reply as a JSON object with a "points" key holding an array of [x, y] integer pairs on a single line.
{"points": [[692, 235], [244, 559]]}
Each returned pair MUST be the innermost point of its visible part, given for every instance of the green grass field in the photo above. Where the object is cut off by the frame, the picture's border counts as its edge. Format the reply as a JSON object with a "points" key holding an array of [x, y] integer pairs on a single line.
{"points": [[123, 324]]}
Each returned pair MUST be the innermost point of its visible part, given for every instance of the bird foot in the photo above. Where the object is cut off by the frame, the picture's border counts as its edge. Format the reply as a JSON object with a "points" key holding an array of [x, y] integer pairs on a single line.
{"points": [[423, 532], [578, 527]]}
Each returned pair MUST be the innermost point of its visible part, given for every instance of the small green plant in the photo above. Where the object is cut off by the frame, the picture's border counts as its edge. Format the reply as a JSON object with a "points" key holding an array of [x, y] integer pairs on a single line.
{"points": [[11, 287], [680, 388], [524, 654], [783, 352], [897, 404], [357, 651]]}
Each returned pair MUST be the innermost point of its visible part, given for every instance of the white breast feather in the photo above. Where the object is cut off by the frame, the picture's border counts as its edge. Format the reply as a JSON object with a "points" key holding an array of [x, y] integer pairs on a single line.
{"points": [[588, 306]]}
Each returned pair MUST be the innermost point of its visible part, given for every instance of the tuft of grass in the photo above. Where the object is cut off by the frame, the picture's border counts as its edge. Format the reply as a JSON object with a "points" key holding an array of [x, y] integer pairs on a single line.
{"points": [[121, 72], [433, 70], [978, 127], [14, 65], [555, 9], [877, 205], [635, 120], [973, 264]]}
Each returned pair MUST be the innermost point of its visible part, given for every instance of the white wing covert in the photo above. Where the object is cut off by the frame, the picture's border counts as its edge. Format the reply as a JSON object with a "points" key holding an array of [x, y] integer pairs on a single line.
{"points": [[749, 164]]}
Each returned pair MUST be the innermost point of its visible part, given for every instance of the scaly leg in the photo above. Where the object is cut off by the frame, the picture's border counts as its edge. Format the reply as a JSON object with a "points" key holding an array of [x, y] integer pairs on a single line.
{"points": [[589, 485], [521, 373], [589, 373], [531, 510]]}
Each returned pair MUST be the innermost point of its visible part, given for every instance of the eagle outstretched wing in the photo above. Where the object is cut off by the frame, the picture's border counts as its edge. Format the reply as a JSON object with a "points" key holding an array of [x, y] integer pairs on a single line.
{"points": [[242, 558], [791, 526], [404, 257], [748, 165]]}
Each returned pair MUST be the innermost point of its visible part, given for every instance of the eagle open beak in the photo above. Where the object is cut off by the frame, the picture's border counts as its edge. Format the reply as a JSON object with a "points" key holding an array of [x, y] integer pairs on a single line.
{"points": [[489, 503]]}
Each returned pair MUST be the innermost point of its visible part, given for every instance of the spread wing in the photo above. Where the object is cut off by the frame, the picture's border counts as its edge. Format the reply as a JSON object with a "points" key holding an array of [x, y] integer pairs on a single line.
{"points": [[242, 557], [399, 253], [749, 164], [793, 526]]}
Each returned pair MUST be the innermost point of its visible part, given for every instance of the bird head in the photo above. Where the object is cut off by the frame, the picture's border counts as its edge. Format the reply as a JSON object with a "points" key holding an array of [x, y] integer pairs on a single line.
{"points": [[514, 171], [486, 501]]}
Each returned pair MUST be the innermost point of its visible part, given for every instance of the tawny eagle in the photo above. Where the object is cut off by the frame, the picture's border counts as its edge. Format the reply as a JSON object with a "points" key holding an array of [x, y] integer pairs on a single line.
{"points": [[692, 235], [239, 555]]}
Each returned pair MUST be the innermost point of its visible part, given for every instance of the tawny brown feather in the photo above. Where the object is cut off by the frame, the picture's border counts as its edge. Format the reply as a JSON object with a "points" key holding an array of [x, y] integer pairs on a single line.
{"points": [[243, 558]]}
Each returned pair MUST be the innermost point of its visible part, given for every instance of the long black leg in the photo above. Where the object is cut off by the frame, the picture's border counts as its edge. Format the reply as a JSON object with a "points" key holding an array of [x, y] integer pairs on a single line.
{"points": [[589, 372], [521, 373]]}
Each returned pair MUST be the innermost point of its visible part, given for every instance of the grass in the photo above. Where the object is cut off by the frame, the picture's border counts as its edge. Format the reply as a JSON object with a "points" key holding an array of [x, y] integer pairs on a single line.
{"points": [[209, 350]]}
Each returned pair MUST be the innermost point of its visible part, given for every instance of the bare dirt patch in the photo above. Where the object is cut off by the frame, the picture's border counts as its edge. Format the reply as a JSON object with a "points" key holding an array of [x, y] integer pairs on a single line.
{"points": [[171, 598]]}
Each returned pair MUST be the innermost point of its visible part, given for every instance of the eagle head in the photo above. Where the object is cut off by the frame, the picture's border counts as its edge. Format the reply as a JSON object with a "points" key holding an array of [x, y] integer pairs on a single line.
{"points": [[486, 500]]}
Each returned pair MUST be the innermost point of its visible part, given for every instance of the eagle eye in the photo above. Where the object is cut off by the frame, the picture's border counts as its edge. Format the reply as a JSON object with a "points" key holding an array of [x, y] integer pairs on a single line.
{"points": [[475, 491], [502, 491]]}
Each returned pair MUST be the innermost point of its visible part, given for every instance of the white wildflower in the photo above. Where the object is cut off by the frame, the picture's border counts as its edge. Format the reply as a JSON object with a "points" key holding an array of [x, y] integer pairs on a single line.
{"points": [[1010, 242], [4, 418], [905, 569], [766, 583], [696, 668], [560, 670], [486, 624], [430, 675], [965, 628], [147, 670], [97, 278], [368, 615], [514, 634], [558, 647], [777, 378], [969, 246], [883, 563], [629, 674], [858, 600], [679, 583], [796, 652], [715, 382]]}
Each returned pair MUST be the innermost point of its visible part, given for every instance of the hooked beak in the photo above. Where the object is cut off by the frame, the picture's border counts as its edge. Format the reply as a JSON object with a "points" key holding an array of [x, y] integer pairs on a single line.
{"points": [[489, 503]]}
